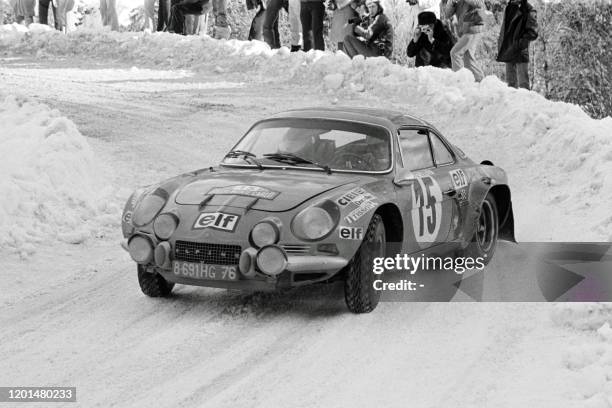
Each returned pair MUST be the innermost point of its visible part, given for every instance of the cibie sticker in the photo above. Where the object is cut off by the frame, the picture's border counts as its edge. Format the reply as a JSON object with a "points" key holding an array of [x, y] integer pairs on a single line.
{"points": [[459, 178], [356, 196], [350, 233], [217, 220], [426, 209]]}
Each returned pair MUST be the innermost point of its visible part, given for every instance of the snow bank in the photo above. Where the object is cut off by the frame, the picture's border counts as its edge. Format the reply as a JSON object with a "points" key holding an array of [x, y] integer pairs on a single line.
{"points": [[556, 154], [590, 361], [51, 186]]}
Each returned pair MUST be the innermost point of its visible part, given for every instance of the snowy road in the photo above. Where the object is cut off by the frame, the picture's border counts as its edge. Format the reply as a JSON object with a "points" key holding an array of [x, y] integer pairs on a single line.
{"points": [[73, 315]]}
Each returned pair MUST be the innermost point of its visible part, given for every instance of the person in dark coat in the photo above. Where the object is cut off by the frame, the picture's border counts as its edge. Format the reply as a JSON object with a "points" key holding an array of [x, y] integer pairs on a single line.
{"points": [[519, 27], [431, 43], [377, 35], [181, 8], [43, 12]]}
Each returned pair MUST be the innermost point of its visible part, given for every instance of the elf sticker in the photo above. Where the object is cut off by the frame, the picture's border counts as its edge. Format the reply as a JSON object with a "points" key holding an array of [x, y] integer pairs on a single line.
{"points": [[217, 220], [458, 178]]}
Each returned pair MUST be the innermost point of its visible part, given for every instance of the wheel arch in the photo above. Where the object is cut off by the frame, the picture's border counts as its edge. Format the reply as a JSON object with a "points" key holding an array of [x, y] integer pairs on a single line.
{"points": [[394, 227], [503, 199]]}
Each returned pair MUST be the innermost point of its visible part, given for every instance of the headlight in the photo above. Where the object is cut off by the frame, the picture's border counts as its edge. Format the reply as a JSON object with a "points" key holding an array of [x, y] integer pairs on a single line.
{"points": [[271, 260], [141, 249], [165, 225], [313, 223], [149, 207], [264, 233]]}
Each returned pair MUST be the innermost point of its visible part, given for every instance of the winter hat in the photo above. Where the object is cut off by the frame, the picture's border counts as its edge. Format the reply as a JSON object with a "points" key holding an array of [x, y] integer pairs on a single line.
{"points": [[427, 17]]}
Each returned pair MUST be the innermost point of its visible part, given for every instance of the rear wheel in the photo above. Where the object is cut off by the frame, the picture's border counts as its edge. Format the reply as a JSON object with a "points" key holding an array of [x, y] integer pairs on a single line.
{"points": [[359, 292], [484, 240], [153, 284]]}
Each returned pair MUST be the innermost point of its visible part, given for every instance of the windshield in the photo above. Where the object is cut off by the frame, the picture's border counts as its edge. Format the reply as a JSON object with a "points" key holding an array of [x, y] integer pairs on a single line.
{"points": [[314, 143]]}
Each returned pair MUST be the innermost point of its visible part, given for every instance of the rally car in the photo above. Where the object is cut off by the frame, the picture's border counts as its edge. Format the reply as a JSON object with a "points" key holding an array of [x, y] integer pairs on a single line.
{"points": [[314, 195]]}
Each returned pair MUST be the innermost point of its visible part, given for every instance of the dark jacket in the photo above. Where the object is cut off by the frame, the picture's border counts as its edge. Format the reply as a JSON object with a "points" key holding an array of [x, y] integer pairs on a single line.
{"points": [[436, 54], [519, 27], [379, 32]]}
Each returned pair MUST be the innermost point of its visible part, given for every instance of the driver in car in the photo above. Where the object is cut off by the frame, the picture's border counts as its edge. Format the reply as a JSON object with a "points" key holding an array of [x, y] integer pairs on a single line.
{"points": [[306, 143]]}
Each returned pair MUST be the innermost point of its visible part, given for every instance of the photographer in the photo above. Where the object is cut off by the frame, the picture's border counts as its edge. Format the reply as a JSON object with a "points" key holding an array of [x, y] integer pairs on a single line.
{"points": [[431, 43], [378, 36]]}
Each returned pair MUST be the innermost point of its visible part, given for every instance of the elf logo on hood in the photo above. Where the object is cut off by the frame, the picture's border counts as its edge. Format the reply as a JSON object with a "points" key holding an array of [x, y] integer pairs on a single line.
{"points": [[217, 220]]}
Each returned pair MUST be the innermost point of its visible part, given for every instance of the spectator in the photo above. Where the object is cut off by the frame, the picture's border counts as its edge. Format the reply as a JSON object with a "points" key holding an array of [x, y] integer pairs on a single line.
{"points": [[431, 43], [312, 13], [181, 8], [270, 23], [149, 15], [163, 15], [416, 7], [342, 12], [470, 21], [43, 12], [24, 11], [519, 27], [63, 7], [256, 31], [378, 36], [108, 10]]}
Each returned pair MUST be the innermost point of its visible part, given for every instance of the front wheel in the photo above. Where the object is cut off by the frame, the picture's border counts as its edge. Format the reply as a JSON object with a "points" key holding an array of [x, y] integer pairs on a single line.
{"points": [[359, 292], [153, 284], [484, 240]]}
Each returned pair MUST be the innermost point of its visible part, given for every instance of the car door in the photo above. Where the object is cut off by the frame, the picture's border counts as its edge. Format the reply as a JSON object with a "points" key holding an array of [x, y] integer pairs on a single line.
{"points": [[455, 178], [427, 205]]}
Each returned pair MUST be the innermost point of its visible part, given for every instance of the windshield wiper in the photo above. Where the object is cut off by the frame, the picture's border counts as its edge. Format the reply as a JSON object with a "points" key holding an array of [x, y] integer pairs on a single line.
{"points": [[293, 159], [246, 156]]}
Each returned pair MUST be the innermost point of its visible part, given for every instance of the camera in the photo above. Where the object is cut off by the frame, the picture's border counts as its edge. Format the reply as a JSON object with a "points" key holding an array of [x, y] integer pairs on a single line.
{"points": [[355, 20]]}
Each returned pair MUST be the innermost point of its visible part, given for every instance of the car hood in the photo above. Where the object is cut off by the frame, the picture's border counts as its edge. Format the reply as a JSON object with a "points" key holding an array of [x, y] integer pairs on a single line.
{"points": [[265, 191]]}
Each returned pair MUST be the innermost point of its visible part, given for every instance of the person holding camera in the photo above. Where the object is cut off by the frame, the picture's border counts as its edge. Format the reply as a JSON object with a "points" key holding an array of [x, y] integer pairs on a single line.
{"points": [[431, 43], [377, 36], [470, 22]]}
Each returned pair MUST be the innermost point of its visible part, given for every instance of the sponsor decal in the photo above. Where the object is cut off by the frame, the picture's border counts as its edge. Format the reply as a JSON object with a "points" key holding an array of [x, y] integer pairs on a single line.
{"points": [[462, 195], [360, 211], [246, 190], [127, 217], [217, 220], [458, 178], [356, 196], [426, 209], [350, 233]]}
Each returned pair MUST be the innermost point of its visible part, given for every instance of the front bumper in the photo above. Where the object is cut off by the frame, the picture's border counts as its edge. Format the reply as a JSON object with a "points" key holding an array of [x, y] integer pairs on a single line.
{"points": [[300, 270]]}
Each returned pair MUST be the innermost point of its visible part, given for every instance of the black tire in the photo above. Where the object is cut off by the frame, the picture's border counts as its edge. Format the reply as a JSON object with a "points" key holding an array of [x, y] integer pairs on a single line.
{"points": [[485, 236], [359, 292], [153, 284]]}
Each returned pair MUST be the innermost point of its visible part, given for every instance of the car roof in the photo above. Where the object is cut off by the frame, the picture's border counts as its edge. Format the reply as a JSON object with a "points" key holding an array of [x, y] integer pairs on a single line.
{"points": [[375, 116]]}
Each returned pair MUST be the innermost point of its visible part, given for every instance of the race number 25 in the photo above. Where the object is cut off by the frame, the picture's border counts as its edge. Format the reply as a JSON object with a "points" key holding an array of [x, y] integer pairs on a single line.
{"points": [[426, 209]]}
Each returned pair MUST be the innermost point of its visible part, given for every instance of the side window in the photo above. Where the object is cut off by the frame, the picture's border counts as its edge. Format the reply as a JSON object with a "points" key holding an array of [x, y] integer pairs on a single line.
{"points": [[441, 153], [414, 144]]}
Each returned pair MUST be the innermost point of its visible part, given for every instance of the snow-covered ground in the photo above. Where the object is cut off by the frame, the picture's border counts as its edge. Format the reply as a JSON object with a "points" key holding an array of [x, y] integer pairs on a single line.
{"points": [[96, 115]]}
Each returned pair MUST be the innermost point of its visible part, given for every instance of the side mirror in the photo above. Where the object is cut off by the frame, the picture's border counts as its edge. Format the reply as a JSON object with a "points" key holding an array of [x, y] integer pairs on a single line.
{"points": [[404, 178]]}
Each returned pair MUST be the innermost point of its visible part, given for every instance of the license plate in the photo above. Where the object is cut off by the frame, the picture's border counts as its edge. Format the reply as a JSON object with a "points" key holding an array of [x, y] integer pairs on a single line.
{"points": [[205, 271]]}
